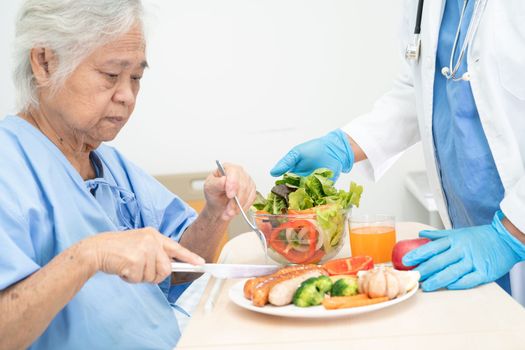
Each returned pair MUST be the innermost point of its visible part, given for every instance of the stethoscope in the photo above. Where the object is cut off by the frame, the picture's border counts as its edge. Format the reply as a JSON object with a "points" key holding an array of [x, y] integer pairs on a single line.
{"points": [[413, 49]]}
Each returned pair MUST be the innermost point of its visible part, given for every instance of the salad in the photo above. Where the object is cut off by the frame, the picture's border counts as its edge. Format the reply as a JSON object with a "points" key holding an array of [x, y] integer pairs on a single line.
{"points": [[304, 217]]}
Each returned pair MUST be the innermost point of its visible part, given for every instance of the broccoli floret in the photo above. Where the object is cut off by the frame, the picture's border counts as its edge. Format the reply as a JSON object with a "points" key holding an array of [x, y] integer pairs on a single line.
{"points": [[311, 292], [344, 287], [307, 295], [323, 284]]}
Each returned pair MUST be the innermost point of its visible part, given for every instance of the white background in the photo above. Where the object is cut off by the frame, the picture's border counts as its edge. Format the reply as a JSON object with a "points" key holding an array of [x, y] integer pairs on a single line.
{"points": [[245, 80]]}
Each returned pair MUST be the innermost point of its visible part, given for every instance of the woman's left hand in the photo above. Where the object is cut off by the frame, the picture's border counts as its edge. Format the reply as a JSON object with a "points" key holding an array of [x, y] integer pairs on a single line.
{"points": [[219, 191]]}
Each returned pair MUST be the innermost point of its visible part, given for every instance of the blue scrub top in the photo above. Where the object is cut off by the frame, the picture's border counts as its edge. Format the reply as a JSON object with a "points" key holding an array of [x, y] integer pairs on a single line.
{"points": [[470, 180], [46, 207]]}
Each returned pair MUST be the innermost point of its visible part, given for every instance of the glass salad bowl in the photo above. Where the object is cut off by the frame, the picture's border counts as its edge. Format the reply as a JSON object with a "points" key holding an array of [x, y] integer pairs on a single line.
{"points": [[304, 237]]}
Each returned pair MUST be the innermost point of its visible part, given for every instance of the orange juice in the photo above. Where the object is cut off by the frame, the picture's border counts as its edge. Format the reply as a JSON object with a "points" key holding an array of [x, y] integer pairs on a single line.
{"points": [[375, 241]]}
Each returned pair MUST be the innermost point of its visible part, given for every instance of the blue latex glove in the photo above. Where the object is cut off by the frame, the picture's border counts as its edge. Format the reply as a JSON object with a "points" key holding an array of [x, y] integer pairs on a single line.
{"points": [[331, 151], [467, 257]]}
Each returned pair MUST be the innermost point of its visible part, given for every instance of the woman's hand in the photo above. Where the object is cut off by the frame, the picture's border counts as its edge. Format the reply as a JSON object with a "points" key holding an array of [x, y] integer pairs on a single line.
{"points": [[142, 255], [219, 191]]}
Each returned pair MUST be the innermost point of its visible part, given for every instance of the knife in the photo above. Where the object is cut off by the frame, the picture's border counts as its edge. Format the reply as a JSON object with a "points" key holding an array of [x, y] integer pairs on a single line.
{"points": [[226, 270]]}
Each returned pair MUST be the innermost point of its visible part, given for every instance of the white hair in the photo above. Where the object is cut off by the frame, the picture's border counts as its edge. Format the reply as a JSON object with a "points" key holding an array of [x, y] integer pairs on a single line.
{"points": [[72, 29]]}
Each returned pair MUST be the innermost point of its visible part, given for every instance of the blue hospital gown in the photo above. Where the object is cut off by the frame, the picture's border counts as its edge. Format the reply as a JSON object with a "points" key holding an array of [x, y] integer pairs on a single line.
{"points": [[45, 207]]}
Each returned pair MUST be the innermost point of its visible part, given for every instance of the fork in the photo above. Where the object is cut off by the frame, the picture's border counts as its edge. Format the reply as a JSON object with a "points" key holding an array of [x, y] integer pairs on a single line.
{"points": [[252, 226]]}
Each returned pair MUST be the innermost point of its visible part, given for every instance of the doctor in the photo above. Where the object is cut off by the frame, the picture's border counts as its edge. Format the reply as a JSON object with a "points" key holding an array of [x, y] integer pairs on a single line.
{"points": [[462, 94]]}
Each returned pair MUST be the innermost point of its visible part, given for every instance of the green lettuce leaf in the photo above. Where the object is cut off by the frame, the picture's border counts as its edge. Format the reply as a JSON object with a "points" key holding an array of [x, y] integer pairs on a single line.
{"points": [[259, 202], [290, 180], [331, 222], [313, 190], [275, 204], [299, 200]]}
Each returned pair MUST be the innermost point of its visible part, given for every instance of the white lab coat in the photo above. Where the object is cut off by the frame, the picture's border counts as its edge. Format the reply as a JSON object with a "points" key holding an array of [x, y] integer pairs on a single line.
{"points": [[403, 116]]}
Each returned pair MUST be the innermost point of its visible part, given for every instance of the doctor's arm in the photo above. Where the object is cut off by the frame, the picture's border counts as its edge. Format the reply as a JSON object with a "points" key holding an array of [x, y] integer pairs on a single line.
{"points": [[386, 131], [379, 136], [513, 230], [29, 305]]}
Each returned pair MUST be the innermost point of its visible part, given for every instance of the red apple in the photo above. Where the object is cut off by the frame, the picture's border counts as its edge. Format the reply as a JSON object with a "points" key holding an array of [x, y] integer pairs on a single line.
{"points": [[403, 247]]}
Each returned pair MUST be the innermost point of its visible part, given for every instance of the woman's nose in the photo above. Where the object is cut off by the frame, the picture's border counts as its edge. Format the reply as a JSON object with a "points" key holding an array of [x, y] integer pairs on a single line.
{"points": [[125, 94]]}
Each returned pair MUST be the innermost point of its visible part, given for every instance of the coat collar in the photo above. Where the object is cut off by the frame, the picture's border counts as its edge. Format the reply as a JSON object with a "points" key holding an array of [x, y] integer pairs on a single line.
{"points": [[430, 24]]}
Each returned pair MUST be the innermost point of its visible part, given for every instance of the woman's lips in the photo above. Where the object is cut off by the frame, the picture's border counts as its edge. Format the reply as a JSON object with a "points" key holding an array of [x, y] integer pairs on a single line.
{"points": [[116, 120]]}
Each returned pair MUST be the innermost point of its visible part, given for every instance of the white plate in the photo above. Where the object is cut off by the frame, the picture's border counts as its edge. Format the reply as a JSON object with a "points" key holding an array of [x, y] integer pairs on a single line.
{"points": [[237, 296]]}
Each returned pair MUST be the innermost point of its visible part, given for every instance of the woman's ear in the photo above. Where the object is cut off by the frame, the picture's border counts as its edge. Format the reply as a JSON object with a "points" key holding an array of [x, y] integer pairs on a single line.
{"points": [[43, 64]]}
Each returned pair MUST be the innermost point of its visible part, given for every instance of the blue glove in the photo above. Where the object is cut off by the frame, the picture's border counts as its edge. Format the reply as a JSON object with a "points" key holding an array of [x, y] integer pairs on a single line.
{"points": [[331, 151], [466, 257]]}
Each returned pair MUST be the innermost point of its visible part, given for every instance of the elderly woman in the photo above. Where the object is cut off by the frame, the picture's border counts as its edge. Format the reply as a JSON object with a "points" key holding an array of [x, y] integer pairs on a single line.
{"points": [[86, 237]]}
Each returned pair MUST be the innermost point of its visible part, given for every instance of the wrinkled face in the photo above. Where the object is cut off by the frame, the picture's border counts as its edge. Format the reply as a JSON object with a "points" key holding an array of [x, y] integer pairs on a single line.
{"points": [[98, 98]]}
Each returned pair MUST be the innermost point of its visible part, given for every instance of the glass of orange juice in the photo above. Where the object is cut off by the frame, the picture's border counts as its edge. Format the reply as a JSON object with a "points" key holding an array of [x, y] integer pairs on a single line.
{"points": [[373, 235]]}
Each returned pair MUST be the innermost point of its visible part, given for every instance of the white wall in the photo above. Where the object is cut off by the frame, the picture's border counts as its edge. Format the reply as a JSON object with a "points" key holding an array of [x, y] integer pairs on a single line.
{"points": [[245, 80]]}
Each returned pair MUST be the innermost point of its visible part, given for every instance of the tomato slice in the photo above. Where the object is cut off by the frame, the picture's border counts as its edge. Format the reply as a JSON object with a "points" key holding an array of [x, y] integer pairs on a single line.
{"points": [[349, 266], [316, 257], [263, 223], [287, 250]]}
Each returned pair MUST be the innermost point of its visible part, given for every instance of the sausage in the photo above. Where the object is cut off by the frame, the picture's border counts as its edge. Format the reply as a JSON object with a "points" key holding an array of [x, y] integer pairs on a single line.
{"points": [[250, 284], [261, 290], [282, 293], [248, 287]]}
